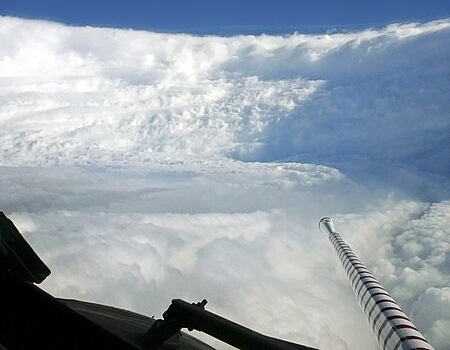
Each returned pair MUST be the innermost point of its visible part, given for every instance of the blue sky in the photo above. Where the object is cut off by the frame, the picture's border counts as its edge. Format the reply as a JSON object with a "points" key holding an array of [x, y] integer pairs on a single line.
{"points": [[228, 17]]}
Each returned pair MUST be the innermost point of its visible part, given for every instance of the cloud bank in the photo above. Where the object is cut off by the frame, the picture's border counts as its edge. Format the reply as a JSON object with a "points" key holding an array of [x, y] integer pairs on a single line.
{"points": [[145, 166]]}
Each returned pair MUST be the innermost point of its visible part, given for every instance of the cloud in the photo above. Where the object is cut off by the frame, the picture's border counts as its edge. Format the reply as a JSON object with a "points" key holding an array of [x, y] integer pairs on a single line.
{"points": [[254, 98], [130, 252], [432, 314], [137, 165]]}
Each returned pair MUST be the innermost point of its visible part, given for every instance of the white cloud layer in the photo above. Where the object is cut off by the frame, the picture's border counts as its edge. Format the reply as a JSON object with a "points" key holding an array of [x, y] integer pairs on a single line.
{"points": [[137, 165]]}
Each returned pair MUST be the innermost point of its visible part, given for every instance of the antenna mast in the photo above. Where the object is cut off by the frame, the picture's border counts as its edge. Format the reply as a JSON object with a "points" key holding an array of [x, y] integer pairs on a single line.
{"points": [[392, 328]]}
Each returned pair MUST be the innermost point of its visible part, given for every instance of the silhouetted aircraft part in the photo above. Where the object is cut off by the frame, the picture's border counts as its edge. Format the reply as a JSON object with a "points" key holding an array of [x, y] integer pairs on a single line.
{"points": [[390, 325], [16, 254], [131, 326], [181, 314], [33, 319], [30, 318]]}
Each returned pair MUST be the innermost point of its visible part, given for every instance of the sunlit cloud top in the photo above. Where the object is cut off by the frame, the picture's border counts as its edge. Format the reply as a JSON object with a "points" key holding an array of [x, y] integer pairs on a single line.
{"points": [[175, 165]]}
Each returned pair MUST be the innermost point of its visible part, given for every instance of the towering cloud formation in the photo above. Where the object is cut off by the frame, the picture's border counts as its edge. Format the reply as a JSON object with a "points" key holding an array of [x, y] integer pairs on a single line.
{"points": [[146, 166]]}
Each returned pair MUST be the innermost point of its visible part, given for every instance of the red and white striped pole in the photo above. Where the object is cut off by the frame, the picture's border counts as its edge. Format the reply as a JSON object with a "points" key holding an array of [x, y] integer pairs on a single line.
{"points": [[392, 328]]}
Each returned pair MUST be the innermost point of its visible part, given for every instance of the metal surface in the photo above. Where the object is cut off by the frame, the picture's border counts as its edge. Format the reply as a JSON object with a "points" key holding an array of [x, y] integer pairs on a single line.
{"points": [[390, 325], [181, 314]]}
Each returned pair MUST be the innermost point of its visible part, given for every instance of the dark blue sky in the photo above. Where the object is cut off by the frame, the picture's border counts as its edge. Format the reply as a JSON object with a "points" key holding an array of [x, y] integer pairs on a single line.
{"points": [[229, 16]]}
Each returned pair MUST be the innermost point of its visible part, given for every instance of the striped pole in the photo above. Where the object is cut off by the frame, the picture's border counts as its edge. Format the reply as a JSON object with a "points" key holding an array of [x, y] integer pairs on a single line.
{"points": [[392, 328]]}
